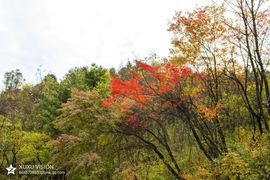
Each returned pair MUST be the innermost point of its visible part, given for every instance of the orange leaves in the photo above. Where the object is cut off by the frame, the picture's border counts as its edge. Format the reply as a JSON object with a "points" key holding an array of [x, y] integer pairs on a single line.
{"points": [[176, 74], [196, 32], [145, 67], [107, 103], [135, 75], [131, 89], [164, 89], [209, 114], [121, 87], [164, 72]]}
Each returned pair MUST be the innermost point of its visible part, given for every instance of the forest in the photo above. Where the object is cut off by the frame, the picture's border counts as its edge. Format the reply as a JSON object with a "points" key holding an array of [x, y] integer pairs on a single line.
{"points": [[201, 113]]}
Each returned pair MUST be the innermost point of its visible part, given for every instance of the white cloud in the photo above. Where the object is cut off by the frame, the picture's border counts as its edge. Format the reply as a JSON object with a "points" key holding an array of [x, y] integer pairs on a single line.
{"points": [[61, 34]]}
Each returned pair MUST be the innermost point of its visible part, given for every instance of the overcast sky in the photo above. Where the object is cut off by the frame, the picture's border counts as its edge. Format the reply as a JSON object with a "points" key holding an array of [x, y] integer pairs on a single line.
{"points": [[61, 34]]}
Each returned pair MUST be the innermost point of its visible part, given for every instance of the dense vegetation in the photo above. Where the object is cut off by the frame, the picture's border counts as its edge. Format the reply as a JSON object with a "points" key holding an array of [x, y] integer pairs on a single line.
{"points": [[202, 113]]}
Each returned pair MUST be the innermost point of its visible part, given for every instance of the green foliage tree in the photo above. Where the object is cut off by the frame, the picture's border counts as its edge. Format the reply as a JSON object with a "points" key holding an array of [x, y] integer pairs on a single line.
{"points": [[13, 80], [84, 78], [48, 105], [21, 147], [85, 148]]}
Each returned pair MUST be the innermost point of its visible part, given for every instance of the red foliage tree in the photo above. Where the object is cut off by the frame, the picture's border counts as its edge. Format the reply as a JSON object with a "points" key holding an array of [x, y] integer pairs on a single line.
{"points": [[146, 85], [155, 95], [142, 99]]}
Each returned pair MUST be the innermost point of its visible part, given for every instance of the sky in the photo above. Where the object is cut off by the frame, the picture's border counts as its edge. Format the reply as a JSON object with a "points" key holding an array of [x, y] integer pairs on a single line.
{"points": [[57, 35]]}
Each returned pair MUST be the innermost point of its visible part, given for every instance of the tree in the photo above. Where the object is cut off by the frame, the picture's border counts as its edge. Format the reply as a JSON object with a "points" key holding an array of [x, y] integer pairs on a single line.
{"points": [[83, 78], [234, 49], [48, 105], [21, 147], [85, 147], [199, 42], [13, 80], [250, 35], [158, 96]]}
